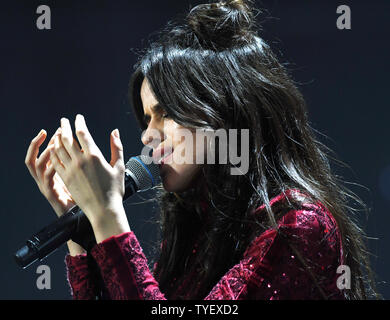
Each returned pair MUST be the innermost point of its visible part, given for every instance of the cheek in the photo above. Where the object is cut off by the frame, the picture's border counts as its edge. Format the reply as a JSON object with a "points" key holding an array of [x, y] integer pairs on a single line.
{"points": [[180, 171], [171, 130], [189, 147]]}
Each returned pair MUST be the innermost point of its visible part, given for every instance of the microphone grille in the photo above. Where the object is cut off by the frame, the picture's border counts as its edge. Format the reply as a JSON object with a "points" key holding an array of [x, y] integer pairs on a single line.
{"points": [[144, 172]]}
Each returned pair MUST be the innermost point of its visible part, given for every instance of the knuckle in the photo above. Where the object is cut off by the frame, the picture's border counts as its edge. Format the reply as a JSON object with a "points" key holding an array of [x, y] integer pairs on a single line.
{"points": [[29, 162], [81, 163], [94, 157], [121, 168], [66, 139], [94, 161], [56, 147], [47, 174], [80, 132], [39, 164]]}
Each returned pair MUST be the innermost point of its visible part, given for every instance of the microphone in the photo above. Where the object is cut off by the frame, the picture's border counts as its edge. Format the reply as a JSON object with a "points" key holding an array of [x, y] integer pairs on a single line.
{"points": [[75, 225]]}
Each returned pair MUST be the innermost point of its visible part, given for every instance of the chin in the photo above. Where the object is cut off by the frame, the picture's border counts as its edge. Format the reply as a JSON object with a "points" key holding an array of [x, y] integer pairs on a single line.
{"points": [[168, 187], [175, 181], [171, 184]]}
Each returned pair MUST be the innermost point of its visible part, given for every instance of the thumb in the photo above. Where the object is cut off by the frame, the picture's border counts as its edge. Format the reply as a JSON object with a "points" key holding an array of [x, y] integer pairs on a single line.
{"points": [[116, 150]]}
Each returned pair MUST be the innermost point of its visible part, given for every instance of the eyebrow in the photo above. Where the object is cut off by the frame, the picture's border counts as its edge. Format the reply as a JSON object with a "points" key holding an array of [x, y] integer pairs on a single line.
{"points": [[155, 109]]}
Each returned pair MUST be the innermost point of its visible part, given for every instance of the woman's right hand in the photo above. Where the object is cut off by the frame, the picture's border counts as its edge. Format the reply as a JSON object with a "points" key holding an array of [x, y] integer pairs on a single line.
{"points": [[48, 181]]}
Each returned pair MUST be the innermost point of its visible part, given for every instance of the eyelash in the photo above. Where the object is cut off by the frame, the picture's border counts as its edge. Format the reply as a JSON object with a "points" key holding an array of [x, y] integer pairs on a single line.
{"points": [[164, 116]]}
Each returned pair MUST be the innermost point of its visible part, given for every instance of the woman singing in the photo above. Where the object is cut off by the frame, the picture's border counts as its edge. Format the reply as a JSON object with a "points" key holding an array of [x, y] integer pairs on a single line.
{"points": [[281, 230]]}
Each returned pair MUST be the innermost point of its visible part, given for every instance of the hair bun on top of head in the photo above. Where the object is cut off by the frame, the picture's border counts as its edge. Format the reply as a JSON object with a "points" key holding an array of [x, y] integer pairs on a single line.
{"points": [[222, 24]]}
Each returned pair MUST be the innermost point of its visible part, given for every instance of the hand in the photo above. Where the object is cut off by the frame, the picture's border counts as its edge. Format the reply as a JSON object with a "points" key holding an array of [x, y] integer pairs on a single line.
{"points": [[48, 181], [95, 185]]}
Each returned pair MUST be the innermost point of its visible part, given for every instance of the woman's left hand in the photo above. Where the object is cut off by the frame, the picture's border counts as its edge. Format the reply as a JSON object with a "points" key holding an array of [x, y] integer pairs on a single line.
{"points": [[95, 185]]}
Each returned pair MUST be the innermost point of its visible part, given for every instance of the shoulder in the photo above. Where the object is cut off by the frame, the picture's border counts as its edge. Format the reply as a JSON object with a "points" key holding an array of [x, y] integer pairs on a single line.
{"points": [[312, 221], [308, 215], [310, 226], [306, 238]]}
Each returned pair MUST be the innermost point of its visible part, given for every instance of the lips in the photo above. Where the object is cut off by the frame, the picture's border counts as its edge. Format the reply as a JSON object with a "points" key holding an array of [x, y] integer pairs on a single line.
{"points": [[161, 153], [166, 159]]}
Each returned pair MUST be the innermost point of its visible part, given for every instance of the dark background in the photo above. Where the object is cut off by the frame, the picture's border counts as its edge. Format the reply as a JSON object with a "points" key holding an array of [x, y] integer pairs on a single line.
{"points": [[83, 64]]}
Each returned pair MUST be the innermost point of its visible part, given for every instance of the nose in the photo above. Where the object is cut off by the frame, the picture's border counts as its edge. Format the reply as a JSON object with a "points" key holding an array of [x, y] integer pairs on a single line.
{"points": [[152, 136]]}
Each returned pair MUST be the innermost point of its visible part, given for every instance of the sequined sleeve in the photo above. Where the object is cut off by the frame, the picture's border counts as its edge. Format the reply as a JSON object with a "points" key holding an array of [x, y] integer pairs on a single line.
{"points": [[80, 280], [270, 268]]}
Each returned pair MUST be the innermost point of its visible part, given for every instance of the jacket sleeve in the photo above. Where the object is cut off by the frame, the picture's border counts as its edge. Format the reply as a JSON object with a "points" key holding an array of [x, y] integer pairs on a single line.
{"points": [[269, 269], [81, 283]]}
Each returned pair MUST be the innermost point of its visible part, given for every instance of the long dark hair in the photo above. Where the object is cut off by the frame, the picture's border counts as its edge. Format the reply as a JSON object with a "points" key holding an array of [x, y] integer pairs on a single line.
{"points": [[214, 71]]}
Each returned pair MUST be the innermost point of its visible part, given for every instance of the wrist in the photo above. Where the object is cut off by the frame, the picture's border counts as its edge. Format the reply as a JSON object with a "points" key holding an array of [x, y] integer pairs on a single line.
{"points": [[110, 223], [75, 249], [57, 208], [60, 209]]}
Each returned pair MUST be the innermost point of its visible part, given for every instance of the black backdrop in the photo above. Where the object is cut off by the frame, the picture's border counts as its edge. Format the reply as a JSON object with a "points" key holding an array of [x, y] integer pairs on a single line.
{"points": [[83, 64]]}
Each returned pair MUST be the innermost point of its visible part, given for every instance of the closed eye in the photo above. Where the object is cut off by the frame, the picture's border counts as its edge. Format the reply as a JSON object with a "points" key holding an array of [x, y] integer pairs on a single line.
{"points": [[157, 110]]}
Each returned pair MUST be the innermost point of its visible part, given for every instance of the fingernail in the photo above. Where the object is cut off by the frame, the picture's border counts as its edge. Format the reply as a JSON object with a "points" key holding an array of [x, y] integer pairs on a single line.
{"points": [[41, 132], [116, 133]]}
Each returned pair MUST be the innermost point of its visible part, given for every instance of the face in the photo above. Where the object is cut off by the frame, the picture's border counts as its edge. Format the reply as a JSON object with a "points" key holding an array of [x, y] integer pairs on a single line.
{"points": [[166, 138]]}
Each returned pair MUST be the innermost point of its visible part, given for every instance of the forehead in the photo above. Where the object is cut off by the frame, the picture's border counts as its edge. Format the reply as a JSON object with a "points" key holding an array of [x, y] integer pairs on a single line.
{"points": [[147, 96]]}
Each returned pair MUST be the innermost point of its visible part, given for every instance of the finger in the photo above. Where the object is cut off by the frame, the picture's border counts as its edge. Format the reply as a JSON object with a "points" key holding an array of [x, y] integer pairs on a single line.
{"points": [[51, 142], [68, 140], [85, 138], [32, 152], [61, 152], [56, 163], [116, 150], [41, 163], [48, 175]]}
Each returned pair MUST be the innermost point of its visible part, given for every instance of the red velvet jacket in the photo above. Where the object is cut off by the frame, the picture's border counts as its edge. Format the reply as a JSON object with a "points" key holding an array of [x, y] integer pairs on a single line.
{"points": [[269, 268]]}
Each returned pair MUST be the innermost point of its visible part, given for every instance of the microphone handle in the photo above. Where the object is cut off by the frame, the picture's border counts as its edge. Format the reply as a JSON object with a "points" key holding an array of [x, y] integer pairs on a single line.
{"points": [[72, 225]]}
